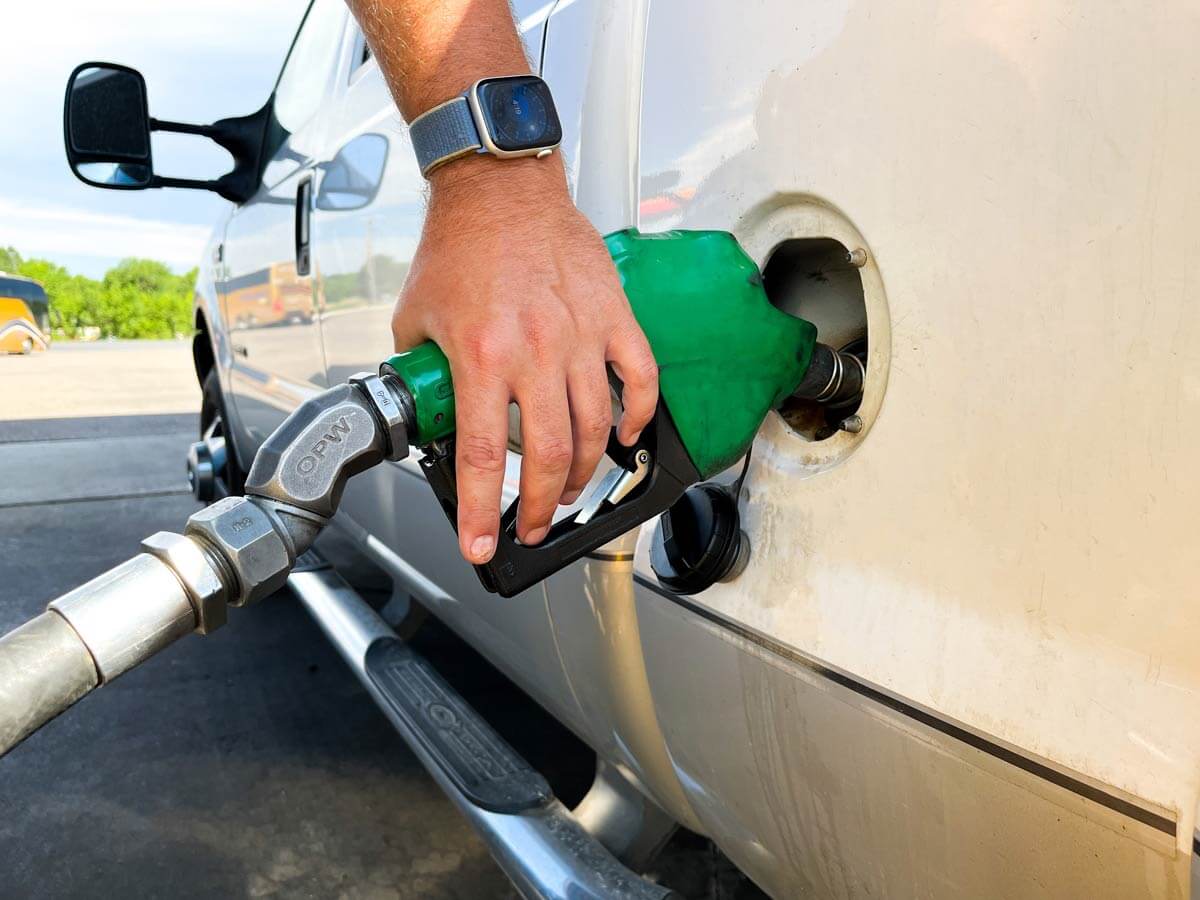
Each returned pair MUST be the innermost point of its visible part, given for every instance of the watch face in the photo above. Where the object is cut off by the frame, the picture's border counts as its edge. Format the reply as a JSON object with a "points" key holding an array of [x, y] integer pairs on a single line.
{"points": [[519, 112]]}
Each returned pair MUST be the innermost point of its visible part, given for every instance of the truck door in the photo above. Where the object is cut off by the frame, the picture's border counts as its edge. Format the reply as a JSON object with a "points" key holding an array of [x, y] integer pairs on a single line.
{"points": [[369, 209], [267, 291]]}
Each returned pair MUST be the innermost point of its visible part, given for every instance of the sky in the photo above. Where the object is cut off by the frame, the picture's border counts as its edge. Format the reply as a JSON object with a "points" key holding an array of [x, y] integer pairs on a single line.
{"points": [[202, 62]]}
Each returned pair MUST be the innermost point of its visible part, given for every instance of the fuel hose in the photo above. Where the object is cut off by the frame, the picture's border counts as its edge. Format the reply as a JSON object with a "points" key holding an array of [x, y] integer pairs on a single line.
{"points": [[85, 639], [44, 669]]}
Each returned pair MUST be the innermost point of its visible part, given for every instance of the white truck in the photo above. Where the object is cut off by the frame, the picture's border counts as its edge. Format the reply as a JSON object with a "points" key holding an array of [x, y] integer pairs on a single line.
{"points": [[963, 659]]}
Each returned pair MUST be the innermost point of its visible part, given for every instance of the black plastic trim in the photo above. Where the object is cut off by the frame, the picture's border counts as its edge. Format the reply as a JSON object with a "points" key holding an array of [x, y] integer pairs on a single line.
{"points": [[482, 766]]}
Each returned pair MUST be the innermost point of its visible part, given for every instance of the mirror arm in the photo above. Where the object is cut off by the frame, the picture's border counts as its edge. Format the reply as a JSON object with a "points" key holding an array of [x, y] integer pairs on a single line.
{"points": [[244, 137], [236, 187], [161, 181], [180, 127], [251, 140]]}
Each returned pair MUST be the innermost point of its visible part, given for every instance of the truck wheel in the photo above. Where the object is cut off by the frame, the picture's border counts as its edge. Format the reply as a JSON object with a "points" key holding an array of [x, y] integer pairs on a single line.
{"points": [[230, 477]]}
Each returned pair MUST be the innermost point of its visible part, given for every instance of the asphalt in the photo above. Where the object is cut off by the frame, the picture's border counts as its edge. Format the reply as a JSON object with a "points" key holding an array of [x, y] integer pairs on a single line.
{"points": [[248, 763]]}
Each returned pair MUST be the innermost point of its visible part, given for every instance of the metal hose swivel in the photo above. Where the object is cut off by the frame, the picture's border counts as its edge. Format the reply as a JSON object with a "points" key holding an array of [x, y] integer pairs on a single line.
{"points": [[235, 552]]}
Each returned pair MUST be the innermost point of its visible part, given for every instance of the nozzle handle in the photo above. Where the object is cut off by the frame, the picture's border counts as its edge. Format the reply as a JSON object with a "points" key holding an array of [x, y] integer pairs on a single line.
{"points": [[516, 566]]}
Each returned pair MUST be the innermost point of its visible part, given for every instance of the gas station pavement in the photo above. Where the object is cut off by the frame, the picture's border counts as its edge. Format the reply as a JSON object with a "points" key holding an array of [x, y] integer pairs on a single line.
{"points": [[248, 763]]}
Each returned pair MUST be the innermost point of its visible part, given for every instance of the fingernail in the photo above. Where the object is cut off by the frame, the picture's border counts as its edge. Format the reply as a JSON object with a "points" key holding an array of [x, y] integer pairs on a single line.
{"points": [[481, 548], [569, 497], [535, 536]]}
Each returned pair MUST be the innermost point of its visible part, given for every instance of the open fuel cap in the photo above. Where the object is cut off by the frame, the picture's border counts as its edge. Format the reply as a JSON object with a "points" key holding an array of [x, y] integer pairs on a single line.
{"points": [[699, 541]]}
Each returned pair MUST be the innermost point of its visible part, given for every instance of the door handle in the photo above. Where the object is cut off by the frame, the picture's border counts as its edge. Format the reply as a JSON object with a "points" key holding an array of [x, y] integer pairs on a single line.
{"points": [[304, 226]]}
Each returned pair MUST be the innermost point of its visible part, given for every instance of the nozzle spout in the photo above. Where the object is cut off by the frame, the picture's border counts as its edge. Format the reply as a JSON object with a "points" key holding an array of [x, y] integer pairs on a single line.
{"points": [[834, 378]]}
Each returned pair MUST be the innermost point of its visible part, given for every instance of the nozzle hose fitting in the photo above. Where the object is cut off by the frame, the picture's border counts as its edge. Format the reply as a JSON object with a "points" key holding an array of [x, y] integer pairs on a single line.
{"points": [[307, 460]]}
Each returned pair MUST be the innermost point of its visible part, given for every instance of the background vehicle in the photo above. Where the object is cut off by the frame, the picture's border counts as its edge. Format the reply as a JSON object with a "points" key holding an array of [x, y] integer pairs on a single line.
{"points": [[24, 315], [962, 660], [272, 296]]}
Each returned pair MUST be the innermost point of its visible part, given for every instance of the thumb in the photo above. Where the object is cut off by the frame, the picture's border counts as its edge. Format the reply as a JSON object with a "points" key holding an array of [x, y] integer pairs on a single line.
{"points": [[407, 330]]}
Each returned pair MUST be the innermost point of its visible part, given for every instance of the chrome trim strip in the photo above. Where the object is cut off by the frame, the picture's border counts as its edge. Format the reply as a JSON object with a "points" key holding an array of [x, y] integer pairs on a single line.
{"points": [[22, 325], [400, 570], [1075, 785]]}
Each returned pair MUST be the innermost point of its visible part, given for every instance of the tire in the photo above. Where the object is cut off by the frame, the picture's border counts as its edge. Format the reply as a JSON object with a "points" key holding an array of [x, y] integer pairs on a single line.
{"points": [[27, 346], [231, 477]]}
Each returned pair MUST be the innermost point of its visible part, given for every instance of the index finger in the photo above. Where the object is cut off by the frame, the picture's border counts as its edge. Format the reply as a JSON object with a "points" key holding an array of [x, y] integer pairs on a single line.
{"points": [[481, 423], [629, 353]]}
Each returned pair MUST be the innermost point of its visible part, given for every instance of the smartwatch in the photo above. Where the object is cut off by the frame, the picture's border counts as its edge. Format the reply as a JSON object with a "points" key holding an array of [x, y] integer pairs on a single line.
{"points": [[506, 117]]}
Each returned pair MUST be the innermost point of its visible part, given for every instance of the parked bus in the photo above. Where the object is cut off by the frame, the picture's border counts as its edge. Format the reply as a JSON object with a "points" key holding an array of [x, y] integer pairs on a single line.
{"points": [[24, 315], [274, 295]]}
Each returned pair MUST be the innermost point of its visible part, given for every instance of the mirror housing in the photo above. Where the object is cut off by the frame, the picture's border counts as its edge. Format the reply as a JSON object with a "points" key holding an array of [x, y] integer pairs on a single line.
{"points": [[107, 125]]}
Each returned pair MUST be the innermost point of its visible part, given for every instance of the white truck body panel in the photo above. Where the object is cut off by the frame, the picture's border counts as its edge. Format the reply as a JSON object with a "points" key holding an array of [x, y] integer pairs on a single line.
{"points": [[963, 659]]}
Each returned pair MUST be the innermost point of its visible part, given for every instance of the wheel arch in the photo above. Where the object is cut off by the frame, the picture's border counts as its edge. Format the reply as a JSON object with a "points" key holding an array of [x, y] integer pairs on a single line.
{"points": [[203, 356]]}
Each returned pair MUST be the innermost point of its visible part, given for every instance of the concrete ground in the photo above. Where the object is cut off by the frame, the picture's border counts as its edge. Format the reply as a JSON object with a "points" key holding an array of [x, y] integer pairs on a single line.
{"points": [[108, 378], [248, 763]]}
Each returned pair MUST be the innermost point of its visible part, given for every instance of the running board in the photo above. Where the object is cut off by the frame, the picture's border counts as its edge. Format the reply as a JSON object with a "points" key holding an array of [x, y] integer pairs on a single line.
{"points": [[484, 769], [540, 846]]}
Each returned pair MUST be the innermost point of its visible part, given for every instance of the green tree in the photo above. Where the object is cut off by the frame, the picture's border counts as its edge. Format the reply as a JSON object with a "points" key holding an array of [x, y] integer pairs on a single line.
{"points": [[138, 298], [142, 298], [140, 275], [59, 286], [10, 260]]}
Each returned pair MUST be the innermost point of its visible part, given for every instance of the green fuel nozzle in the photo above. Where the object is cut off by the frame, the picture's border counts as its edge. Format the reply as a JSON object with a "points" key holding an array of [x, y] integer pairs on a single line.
{"points": [[726, 355], [726, 358]]}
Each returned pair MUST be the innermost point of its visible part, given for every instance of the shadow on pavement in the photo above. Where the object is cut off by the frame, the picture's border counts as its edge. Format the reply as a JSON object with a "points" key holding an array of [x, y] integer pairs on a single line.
{"points": [[80, 427]]}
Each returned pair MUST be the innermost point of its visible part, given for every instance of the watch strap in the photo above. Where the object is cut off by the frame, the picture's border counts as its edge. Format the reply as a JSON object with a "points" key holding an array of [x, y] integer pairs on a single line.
{"points": [[444, 133]]}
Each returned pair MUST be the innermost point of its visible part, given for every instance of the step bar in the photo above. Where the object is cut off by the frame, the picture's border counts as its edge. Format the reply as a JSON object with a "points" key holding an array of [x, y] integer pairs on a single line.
{"points": [[535, 840]]}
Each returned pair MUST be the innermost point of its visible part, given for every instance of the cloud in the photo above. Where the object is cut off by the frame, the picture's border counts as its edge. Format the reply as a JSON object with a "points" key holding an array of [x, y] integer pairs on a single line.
{"points": [[53, 30], [58, 231], [187, 54]]}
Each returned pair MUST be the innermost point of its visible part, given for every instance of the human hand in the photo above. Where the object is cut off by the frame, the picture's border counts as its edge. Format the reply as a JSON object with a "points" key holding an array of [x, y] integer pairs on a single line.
{"points": [[523, 299]]}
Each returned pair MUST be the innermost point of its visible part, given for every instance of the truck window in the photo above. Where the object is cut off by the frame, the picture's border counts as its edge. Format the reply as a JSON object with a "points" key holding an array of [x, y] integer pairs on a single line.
{"points": [[302, 84]]}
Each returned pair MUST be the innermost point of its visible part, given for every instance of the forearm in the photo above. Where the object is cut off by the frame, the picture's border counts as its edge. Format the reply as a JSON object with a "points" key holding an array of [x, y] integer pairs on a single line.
{"points": [[432, 50]]}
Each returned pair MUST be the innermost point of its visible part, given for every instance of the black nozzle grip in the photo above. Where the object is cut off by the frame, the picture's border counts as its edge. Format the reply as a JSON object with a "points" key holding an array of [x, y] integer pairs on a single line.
{"points": [[515, 566]]}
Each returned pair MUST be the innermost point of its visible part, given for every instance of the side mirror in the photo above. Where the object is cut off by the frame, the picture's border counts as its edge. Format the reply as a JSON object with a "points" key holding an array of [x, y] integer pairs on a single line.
{"points": [[353, 176], [107, 127]]}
